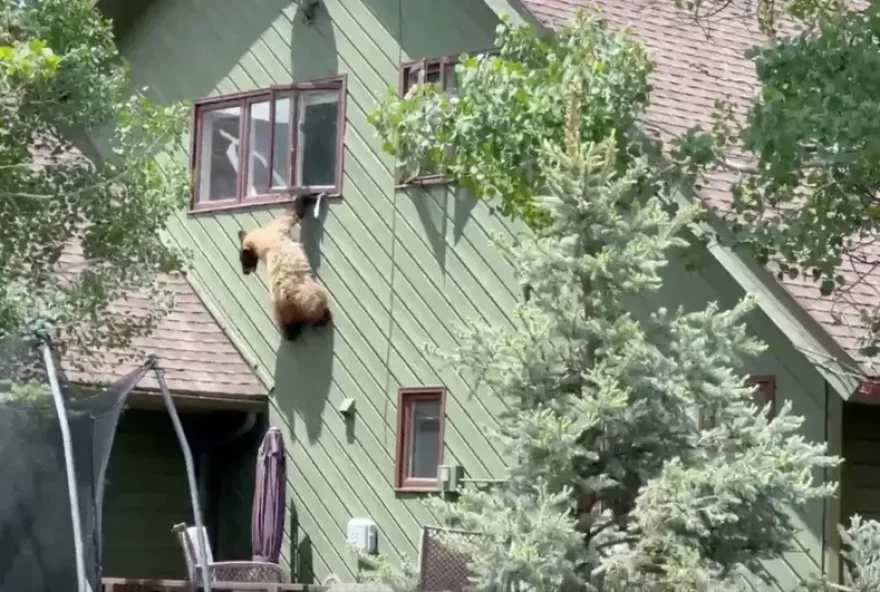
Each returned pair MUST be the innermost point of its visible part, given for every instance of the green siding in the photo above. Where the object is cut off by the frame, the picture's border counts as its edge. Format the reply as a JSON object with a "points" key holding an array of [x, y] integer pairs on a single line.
{"points": [[796, 381], [146, 494], [400, 267]]}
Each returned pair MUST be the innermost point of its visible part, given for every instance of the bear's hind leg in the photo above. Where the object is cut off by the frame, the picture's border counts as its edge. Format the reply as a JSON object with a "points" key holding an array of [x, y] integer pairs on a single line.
{"points": [[325, 319], [292, 331]]}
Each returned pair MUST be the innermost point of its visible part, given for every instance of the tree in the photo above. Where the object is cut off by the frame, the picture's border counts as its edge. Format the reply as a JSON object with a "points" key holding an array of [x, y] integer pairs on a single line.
{"points": [[807, 147], [63, 83], [615, 482]]}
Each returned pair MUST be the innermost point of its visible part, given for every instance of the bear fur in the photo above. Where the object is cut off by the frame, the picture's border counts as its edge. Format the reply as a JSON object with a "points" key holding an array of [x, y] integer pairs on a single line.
{"points": [[298, 300]]}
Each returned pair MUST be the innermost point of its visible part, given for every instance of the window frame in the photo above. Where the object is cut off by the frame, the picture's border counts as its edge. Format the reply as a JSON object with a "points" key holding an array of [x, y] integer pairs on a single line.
{"points": [[406, 396], [243, 100], [766, 392], [428, 180]]}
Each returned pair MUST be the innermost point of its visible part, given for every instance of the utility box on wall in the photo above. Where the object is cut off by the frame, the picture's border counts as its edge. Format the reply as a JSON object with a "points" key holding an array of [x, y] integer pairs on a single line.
{"points": [[362, 533]]}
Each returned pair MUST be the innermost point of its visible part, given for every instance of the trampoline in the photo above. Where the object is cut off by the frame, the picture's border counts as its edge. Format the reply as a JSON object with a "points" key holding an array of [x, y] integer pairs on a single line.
{"points": [[54, 451]]}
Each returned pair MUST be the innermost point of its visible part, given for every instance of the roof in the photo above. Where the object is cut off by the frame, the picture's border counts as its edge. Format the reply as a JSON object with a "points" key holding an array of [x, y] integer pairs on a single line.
{"points": [[696, 64], [196, 354]]}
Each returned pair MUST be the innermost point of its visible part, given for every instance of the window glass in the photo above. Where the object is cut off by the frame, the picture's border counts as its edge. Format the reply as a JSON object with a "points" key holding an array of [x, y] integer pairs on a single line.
{"points": [[259, 149], [281, 154], [263, 136], [220, 154], [424, 452], [318, 128], [451, 82]]}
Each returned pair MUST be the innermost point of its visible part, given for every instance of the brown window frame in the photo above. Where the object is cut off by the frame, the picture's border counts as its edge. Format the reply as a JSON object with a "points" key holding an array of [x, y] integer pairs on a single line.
{"points": [[243, 100], [405, 399], [766, 392], [402, 88]]}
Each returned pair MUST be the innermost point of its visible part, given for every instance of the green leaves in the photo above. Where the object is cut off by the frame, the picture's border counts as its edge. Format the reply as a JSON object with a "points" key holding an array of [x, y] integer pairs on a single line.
{"points": [[81, 227], [28, 60], [509, 104], [613, 482]]}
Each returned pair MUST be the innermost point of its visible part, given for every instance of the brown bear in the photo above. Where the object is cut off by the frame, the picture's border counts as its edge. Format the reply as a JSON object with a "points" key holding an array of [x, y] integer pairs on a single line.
{"points": [[298, 299]]}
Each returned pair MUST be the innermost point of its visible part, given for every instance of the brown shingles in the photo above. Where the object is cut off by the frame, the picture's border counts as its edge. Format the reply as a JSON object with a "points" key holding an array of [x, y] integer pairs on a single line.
{"points": [[695, 65], [197, 356]]}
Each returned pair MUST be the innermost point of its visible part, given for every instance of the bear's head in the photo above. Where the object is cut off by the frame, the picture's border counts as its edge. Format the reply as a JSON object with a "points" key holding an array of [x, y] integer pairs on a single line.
{"points": [[247, 253]]}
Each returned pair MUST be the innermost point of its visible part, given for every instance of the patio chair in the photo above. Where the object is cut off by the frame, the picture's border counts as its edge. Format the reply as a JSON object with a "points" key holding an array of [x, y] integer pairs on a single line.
{"points": [[261, 572]]}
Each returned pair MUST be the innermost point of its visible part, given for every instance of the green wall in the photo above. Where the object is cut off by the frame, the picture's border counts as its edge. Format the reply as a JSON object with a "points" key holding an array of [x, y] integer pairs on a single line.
{"points": [[400, 268], [796, 381]]}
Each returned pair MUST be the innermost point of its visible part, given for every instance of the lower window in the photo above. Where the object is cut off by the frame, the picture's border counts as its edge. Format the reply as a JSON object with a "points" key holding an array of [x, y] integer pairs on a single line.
{"points": [[420, 424]]}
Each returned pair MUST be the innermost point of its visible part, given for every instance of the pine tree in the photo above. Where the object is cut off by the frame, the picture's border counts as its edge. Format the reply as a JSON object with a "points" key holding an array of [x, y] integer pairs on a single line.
{"points": [[615, 482]]}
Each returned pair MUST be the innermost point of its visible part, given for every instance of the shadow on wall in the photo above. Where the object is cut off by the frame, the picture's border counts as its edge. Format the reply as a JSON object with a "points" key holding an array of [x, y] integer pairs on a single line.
{"points": [[303, 372], [422, 34], [197, 45], [313, 52], [432, 205], [302, 570]]}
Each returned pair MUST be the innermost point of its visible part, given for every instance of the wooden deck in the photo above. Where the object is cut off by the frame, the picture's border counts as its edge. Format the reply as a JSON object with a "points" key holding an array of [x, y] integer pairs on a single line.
{"points": [[136, 585]]}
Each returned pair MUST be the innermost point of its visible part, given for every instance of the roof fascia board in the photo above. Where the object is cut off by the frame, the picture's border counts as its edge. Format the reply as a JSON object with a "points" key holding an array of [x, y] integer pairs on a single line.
{"points": [[518, 13], [831, 361], [834, 364]]}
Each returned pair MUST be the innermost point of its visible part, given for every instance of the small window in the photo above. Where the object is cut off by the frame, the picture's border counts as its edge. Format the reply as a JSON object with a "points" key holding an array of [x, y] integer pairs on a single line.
{"points": [[420, 423], [766, 392], [264, 146], [435, 71]]}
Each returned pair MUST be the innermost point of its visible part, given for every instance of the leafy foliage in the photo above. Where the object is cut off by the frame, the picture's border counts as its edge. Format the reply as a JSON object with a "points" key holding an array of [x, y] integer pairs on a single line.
{"points": [[615, 483], [62, 81], [808, 148], [487, 137]]}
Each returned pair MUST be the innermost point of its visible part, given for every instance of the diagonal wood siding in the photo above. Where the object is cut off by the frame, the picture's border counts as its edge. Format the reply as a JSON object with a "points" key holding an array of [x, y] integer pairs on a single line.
{"points": [[399, 266]]}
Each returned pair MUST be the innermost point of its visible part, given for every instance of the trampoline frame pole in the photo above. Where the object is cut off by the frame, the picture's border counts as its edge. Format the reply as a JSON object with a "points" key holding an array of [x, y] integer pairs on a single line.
{"points": [[82, 584], [201, 535]]}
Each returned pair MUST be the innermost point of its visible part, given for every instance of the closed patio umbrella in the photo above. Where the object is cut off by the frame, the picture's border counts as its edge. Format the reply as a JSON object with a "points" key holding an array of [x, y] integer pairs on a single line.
{"points": [[267, 521]]}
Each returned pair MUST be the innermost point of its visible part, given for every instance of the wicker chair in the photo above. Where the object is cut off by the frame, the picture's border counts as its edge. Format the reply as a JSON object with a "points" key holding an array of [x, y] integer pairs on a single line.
{"points": [[224, 571]]}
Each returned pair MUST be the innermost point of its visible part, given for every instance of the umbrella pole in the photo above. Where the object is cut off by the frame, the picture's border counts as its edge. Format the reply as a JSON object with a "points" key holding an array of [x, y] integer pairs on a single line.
{"points": [[190, 476], [73, 495]]}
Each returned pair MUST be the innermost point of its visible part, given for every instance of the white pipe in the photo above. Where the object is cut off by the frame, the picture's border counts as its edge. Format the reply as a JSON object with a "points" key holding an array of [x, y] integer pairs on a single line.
{"points": [[83, 584], [201, 535]]}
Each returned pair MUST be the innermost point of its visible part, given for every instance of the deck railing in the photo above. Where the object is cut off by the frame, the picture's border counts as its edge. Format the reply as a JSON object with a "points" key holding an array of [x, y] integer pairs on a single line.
{"points": [[138, 585], [141, 585]]}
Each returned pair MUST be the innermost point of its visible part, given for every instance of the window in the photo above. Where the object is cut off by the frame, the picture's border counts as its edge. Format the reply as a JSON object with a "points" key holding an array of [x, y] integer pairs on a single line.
{"points": [[421, 414], [766, 392], [435, 71], [264, 146]]}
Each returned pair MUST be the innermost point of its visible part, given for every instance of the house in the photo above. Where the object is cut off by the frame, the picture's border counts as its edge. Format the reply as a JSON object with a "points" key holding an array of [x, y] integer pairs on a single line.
{"points": [[221, 404], [370, 418]]}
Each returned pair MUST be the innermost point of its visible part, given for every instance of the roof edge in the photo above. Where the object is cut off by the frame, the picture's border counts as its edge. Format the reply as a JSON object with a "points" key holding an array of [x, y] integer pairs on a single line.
{"points": [[233, 337], [804, 332], [835, 365], [518, 12]]}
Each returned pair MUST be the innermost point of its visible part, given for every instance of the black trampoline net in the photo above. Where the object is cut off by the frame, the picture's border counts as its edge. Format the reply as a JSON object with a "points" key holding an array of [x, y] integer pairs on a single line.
{"points": [[36, 534]]}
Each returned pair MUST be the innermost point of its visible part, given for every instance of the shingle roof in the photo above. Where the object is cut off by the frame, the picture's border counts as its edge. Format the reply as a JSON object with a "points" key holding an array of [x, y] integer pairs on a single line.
{"points": [[697, 63], [196, 354]]}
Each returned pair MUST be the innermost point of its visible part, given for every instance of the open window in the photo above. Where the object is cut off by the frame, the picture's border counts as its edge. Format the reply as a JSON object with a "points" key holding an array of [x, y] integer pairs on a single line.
{"points": [[421, 417], [427, 71], [264, 146]]}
